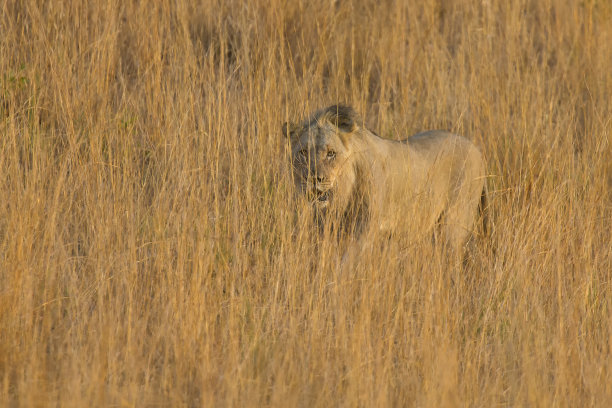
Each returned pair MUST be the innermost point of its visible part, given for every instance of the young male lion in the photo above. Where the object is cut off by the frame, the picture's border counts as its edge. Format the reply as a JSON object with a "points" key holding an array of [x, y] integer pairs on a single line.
{"points": [[433, 178]]}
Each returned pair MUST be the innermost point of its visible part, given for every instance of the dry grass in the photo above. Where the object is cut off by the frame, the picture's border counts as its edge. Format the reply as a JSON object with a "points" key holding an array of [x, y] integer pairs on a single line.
{"points": [[150, 250]]}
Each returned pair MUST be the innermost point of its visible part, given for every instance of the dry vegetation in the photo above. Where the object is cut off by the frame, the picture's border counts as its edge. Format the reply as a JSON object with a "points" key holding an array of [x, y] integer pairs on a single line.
{"points": [[152, 252]]}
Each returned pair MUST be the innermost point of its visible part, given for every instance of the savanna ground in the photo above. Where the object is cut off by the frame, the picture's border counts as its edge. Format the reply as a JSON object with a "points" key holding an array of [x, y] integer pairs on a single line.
{"points": [[152, 252]]}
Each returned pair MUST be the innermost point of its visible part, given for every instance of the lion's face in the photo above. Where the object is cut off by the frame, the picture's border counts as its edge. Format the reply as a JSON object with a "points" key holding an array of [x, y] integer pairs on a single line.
{"points": [[318, 157], [321, 157]]}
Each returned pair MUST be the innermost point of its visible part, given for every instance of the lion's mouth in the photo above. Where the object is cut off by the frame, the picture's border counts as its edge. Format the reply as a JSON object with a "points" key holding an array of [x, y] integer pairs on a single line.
{"points": [[318, 195], [321, 198]]}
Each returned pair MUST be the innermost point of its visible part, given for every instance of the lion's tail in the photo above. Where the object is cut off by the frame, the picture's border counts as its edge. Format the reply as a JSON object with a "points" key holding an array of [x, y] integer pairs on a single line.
{"points": [[484, 210]]}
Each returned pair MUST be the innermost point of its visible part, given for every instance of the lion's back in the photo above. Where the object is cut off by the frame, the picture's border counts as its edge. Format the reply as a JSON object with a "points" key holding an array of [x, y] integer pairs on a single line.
{"points": [[446, 153]]}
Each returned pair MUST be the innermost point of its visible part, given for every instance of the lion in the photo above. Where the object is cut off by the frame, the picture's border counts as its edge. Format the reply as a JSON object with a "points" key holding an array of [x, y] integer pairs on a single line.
{"points": [[432, 181]]}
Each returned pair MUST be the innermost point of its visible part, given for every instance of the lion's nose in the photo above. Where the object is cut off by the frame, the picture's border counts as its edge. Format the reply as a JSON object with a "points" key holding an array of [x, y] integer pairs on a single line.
{"points": [[320, 179]]}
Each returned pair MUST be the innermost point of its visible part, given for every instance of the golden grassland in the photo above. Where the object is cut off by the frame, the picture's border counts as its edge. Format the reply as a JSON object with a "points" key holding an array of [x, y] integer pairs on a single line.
{"points": [[152, 251]]}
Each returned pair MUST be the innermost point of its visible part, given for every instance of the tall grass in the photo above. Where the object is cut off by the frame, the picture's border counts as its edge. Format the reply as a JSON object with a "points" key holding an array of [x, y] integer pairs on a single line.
{"points": [[152, 251]]}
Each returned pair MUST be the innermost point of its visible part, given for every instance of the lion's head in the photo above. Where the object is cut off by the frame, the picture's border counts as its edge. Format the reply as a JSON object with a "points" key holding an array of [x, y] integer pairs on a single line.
{"points": [[323, 154]]}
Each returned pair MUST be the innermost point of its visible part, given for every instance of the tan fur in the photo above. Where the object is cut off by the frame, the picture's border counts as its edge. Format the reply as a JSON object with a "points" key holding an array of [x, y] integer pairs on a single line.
{"points": [[432, 178]]}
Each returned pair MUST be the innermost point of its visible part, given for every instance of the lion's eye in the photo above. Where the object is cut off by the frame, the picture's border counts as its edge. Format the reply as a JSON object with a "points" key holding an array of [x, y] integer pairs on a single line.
{"points": [[331, 154]]}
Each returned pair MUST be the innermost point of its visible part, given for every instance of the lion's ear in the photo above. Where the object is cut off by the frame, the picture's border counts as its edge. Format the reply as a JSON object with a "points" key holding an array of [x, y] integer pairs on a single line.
{"points": [[343, 117], [289, 129]]}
